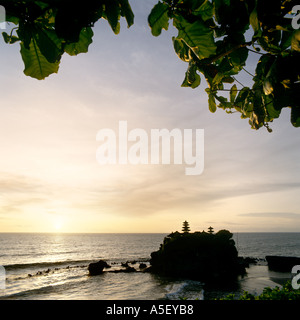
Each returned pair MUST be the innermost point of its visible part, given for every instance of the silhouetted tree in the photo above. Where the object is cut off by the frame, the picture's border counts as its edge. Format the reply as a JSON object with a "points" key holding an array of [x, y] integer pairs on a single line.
{"points": [[185, 227], [211, 230]]}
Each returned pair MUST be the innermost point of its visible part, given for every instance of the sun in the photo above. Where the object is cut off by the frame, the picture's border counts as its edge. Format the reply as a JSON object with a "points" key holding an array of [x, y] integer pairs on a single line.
{"points": [[58, 224]]}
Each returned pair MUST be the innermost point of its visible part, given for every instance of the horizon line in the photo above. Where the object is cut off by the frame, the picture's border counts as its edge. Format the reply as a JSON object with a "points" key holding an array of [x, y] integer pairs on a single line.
{"points": [[53, 232]]}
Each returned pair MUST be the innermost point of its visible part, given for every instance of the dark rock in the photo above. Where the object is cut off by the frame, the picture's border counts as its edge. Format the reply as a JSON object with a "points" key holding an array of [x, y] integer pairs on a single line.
{"points": [[126, 270], [142, 266], [282, 263], [246, 261], [250, 260], [125, 265], [96, 268], [148, 269], [129, 269]]}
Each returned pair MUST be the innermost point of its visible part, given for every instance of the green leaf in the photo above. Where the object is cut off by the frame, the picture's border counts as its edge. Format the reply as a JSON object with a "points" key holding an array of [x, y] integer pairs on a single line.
{"points": [[14, 39], [226, 66], [49, 44], [13, 19], [271, 78], [197, 36], [269, 105], [242, 96], [192, 78], [36, 64], [255, 23], [267, 45], [158, 18], [295, 42], [217, 79], [113, 14], [6, 37], [25, 33], [127, 12], [254, 121], [9, 39], [268, 86], [212, 103], [295, 116], [85, 39], [233, 93], [286, 40], [221, 7], [42, 4], [238, 57], [228, 80], [263, 66], [181, 49], [206, 10], [224, 104]]}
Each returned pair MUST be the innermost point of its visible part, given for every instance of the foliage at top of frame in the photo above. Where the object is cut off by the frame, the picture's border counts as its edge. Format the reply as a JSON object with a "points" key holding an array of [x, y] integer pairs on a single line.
{"points": [[47, 29], [215, 38]]}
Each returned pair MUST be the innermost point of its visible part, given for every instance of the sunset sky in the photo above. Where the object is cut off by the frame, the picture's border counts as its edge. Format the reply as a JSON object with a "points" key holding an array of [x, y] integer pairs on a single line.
{"points": [[49, 176]]}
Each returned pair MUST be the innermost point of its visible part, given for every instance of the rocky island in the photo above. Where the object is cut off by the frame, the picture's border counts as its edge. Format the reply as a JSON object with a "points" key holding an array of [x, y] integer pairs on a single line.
{"points": [[204, 256]]}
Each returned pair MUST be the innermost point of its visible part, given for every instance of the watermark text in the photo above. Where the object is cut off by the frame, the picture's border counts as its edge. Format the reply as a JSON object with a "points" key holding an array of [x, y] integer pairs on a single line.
{"points": [[162, 147], [2, 278], [2, 18], [296, 19], [296, 278]]}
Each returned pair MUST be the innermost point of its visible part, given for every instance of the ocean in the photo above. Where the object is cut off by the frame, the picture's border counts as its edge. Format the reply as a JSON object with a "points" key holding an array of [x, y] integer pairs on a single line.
{"points": [[54, 266]]}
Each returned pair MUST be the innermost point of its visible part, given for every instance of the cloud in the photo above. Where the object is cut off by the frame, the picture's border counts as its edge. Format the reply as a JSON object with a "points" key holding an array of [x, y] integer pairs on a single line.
{"points": [[17, 205], [21, 194], [20, 191], [148, 190], [17, 183], [280, 215], [258, 188]]}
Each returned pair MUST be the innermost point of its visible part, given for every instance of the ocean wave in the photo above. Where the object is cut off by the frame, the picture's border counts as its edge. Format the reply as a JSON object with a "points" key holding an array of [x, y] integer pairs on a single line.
{"points": [[54, 264], [188, 289], [29, 294], [45, 264], [38, 254]]}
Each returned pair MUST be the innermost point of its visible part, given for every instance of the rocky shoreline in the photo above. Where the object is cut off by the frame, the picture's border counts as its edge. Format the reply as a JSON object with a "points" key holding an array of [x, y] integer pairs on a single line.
{"points": [[204, 256], [274, 263], [97, 268], [101, 266], [199, 256]]}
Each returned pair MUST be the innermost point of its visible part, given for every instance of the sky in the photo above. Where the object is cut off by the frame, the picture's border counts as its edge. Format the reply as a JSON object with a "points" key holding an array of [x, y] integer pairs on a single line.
{"points": [[50, 180]]}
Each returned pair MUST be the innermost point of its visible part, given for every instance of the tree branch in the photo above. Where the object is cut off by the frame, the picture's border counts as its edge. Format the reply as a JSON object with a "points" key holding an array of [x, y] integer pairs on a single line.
{"points": [[208, 61]]}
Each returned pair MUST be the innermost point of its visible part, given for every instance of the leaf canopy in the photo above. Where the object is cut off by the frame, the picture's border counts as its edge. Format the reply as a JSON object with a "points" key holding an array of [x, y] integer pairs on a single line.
{"points": [[47, 29], [216, 38]]}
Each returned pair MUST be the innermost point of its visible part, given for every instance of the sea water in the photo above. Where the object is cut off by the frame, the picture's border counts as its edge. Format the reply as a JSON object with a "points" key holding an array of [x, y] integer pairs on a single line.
{"points": [[54, 266]]}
